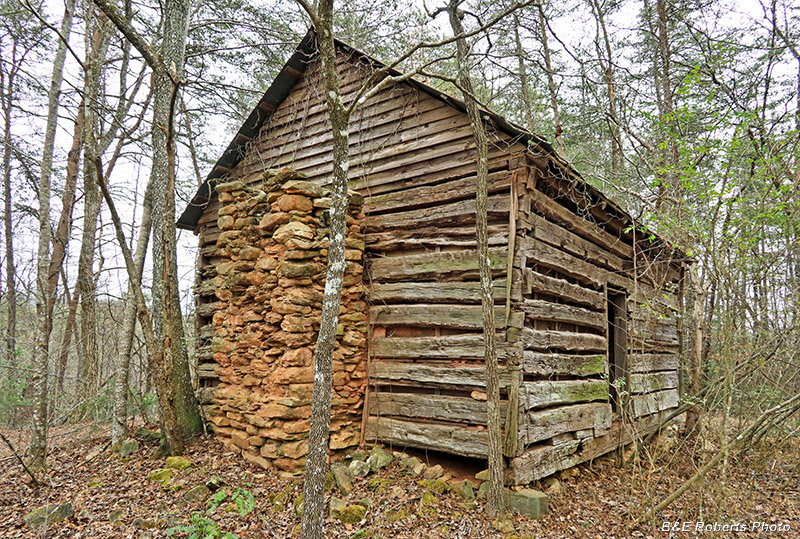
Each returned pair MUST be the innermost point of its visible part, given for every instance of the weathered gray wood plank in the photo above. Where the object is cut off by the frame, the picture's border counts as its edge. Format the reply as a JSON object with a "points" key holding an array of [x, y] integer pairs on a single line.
{"points": [[439, 315], [427, 195], [549, 393], [454, 213], [561, 238], [435, 265], [436, 407], [653, 362], [562, 340], [447, 292], [433, 237], [539, 461], [450, 375], [558, 213], [448, 347], [538, 309], [648, 383], [654, 402], [454, 439], [544, 424], [543, 364], [536, 282]]}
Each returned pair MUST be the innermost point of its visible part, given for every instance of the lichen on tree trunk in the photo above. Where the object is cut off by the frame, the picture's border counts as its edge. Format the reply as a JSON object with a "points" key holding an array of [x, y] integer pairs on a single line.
{"points": [[316, 464], [494, 495]]}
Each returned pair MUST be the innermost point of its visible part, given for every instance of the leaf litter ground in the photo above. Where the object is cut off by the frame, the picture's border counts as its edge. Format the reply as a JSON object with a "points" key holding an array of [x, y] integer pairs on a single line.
{"points": [[113, 497]]}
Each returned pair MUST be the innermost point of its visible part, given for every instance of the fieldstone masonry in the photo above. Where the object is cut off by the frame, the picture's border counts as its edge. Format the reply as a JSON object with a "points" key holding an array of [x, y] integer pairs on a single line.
{"points": [[272, 257]]}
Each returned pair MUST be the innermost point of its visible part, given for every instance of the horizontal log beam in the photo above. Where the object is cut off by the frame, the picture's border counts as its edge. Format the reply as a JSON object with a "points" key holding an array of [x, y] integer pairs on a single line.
{"points": [[537, 309], [549, 393], [453, 439], [449, 375], [443, 316], [543, 424], [568, 341], [654, 402], [434, 407], [435, 265], [543, 284], [543, 364]]}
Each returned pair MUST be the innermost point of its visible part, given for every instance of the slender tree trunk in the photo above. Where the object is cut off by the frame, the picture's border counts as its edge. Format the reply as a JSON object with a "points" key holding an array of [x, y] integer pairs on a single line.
{"points": [[695, 356], [168, 323], [180, 414], [64, 226], [670, 191], [551, 83], [66, 340], [316, 463], [494, 495], [8, 88], [95, 55], [118, 427], [608, 76], [41, 346], [527, 102]]}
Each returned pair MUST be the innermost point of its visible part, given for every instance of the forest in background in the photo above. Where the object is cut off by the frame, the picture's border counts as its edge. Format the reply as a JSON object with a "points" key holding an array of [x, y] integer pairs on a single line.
{"points": [[685, 113]]}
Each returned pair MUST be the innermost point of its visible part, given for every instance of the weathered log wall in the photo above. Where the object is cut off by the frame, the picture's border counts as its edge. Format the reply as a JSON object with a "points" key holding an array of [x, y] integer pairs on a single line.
{"points": [[574, 253]]}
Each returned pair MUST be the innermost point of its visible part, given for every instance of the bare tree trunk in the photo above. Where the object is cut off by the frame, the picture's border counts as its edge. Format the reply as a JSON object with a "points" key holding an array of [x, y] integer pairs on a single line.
{"points": [[65, 220], [66, 340], [527, 102], [494, 494], [7, 96], [608, 76], [316, 463], [120, 419], [168, 323], [180, 413], [695, 356], [670, 191], [95, 55], [41, 346], [551, 83]]}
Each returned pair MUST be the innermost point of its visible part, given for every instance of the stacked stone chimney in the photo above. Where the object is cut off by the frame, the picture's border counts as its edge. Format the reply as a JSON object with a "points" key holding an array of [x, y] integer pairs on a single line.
{"points": [[272, 253]]}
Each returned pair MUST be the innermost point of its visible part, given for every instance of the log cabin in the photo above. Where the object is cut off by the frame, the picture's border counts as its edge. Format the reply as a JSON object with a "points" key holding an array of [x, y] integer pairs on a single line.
{"points": [[587, 299]]}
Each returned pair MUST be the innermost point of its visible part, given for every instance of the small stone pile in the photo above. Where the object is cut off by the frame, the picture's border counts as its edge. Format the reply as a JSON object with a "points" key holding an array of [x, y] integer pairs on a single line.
{"points": [[271, 263]]}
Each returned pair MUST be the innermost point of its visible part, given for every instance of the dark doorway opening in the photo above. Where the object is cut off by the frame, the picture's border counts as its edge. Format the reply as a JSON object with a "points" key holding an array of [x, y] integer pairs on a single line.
{"points": [[617, 348]]}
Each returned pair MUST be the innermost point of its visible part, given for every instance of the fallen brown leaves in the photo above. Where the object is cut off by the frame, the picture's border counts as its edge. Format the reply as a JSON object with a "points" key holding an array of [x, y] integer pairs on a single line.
{"points": [[603, 501]]}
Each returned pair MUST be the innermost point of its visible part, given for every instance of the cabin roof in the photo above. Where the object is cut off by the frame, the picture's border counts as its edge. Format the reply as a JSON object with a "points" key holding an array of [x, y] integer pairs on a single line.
{"points": [[293, 70]]}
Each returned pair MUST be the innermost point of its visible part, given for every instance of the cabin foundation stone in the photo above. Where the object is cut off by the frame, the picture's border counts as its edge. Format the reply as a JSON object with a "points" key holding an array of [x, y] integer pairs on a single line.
{"points": [[270, 276]]}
